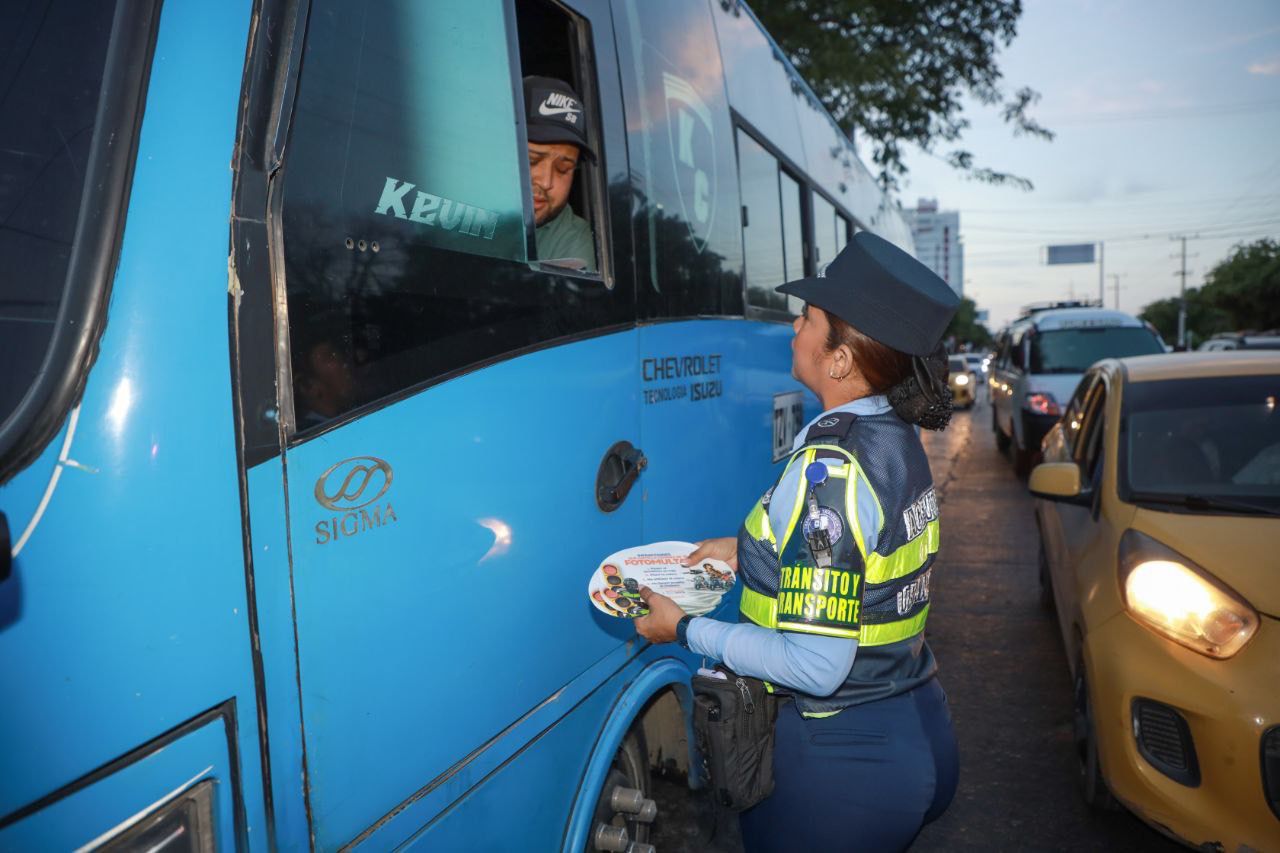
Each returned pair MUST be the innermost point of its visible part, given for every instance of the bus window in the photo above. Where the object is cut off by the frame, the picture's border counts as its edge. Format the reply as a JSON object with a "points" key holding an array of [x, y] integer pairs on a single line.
{"points": [[792, 235], [548, 52], [680, 140], [762, 224], [843, 229], [825, 243], [409, 223], [55, 56]]}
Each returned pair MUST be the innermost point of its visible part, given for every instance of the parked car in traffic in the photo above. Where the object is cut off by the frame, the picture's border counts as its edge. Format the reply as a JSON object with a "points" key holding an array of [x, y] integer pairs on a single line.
{"points": [[1040, 359], [962, 381], [979, 364], [1158, 506], [1235, 340]]}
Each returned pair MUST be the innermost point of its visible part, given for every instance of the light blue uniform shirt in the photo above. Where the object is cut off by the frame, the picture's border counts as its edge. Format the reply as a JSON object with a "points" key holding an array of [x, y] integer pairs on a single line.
{"points": [[809, 663]]}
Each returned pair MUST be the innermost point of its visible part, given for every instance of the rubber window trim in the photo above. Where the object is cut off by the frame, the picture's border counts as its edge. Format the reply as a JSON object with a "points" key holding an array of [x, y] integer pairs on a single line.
{"points": [[82, 316]]}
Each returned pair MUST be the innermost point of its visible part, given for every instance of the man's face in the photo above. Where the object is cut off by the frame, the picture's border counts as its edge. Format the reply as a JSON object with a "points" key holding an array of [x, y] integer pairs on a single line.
{"points": [[551, 168]]}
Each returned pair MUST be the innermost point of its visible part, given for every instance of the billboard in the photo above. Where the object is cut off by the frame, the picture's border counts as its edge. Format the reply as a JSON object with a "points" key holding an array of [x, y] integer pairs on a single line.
{"points": [[1074, 253]]}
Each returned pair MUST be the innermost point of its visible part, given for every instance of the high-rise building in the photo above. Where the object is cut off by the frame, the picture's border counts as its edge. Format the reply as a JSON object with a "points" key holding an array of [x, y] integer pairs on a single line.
{"points": [[937, 238]]}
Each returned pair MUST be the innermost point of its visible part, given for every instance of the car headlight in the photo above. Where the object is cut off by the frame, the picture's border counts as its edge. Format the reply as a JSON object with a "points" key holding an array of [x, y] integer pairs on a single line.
{"points": [[962, 379], [1180, 600]]}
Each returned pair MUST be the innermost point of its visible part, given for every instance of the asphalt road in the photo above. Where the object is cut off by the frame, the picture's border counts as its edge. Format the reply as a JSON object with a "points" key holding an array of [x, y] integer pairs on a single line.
{"points": [[1002, 664]]}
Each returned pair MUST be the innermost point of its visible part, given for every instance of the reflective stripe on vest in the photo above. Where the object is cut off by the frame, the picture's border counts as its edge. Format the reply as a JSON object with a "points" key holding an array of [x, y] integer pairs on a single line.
{"points": [[905, 560], [879, 568]]}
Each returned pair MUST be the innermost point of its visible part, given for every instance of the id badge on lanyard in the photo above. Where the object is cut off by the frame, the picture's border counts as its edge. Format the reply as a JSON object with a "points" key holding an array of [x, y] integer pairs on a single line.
{"points": [[815, 531]]}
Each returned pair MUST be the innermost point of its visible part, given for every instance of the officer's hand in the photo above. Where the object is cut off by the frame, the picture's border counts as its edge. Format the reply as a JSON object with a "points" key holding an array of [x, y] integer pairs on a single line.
{"points": [[660, 625], [724, 548]]}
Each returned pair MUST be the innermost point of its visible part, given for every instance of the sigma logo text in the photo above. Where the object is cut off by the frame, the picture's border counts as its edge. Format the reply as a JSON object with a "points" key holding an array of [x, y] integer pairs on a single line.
{"points": [[353, 488]]}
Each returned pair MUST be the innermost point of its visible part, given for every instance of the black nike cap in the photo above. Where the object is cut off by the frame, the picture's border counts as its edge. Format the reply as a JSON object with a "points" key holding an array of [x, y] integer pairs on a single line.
{"points": [[882, 292], [554, 113]]}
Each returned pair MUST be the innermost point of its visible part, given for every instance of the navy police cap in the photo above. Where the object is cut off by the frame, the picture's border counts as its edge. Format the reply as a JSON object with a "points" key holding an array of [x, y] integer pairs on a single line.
{"points": [[882, 292]]}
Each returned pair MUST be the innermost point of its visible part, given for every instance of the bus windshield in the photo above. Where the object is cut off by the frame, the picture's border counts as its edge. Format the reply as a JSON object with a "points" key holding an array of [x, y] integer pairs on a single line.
{"points": [[52, 60]]}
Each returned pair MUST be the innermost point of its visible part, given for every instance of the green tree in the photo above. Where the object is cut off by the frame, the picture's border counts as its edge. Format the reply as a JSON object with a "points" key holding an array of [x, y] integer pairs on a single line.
{"points": [[1246, 286], [1203, 320], [965, 328], [896, 71]]}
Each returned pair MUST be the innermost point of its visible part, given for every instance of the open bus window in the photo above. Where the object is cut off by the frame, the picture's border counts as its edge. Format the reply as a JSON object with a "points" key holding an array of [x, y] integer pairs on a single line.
{"points": [[409, 239], [560, 119]]}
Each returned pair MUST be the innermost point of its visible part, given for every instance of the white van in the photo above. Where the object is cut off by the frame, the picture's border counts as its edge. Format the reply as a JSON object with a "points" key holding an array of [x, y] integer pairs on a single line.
{"points": [[1039, 361]]}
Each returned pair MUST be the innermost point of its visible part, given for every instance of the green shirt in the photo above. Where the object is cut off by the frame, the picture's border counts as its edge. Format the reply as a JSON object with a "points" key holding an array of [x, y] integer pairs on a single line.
{"points": [[566, 236]]}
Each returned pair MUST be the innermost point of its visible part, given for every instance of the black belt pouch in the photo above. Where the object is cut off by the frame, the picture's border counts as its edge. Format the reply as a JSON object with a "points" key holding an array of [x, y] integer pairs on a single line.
{"points": [[733, 722]]}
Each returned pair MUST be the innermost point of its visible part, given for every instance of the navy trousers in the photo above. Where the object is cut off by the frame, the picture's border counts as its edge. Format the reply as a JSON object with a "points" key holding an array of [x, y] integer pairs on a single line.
{"points": [[866, 779]]}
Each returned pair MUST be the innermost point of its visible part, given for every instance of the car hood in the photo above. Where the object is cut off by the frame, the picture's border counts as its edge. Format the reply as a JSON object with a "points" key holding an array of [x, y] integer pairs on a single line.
{"points": [[1239, 550]]}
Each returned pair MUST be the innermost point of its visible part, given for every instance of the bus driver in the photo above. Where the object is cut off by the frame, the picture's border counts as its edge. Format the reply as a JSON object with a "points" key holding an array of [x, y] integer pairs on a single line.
{"points": [[557, 139]]}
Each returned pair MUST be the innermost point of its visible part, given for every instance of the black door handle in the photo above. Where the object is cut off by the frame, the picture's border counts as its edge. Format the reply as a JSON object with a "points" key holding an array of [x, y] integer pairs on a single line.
{"points": [[619, 469]]}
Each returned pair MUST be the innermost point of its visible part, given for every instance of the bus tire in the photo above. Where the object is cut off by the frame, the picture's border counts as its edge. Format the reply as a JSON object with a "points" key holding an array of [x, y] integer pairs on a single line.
{"points": [[630, 769]]}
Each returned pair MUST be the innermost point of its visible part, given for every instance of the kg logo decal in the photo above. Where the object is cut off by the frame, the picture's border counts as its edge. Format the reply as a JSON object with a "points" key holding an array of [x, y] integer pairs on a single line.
{"points": [[353, 483], [828, 520], [691, 135]]}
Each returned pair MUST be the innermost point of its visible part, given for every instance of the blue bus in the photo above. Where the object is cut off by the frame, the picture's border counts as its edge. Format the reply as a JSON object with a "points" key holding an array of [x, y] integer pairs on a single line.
{"points": [[306, 455]]}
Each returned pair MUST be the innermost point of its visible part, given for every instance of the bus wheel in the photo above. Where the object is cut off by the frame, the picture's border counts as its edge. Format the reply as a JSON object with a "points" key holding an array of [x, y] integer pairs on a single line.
{"points": [[624, 812]]}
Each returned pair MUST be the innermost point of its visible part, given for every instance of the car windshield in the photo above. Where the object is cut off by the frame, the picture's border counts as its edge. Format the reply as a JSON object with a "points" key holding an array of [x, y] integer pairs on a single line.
{"points": [[957, 365], [1075, 350], [1214, 438]]}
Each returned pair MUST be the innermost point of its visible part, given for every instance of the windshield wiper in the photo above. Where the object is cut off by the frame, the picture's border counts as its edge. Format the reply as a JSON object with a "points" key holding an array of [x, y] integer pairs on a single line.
{"points": [[1203, 503]]}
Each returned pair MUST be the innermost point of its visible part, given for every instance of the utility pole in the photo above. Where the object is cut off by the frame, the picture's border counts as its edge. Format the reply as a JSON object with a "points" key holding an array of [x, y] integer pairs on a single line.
{"points": [[1115, 287], [1182, 291], [1102, 290]]}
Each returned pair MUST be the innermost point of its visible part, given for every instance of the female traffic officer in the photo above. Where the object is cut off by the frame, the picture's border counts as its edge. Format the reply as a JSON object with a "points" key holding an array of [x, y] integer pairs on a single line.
{"points": [[835, 562]]}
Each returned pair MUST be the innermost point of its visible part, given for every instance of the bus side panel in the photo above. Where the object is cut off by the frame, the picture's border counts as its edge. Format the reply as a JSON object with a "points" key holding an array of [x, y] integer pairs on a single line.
{"points": [[273, 590], [130, 614], [105, 807], [524, 803], [714, 381], [441, 549]]}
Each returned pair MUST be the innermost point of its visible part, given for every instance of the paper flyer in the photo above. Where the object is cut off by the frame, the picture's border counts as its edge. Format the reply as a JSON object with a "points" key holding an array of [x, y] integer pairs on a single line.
{"points": [[615, 584]]}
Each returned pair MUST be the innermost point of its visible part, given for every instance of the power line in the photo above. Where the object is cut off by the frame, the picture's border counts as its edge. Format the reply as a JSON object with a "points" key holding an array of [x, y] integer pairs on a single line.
{"points": [[1194, 111], [1106, 206]]}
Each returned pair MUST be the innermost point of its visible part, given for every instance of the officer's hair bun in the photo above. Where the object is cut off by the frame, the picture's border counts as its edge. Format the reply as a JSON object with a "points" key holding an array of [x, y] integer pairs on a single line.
{"points": [[923, 398]]}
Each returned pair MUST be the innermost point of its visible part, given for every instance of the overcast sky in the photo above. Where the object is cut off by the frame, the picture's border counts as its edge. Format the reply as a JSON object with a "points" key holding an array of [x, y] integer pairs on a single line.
{"points": [[1167, 117]]}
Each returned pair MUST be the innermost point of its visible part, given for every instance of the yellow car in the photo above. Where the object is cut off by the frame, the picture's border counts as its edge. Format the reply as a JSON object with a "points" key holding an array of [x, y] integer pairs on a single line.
{"points": [[1159, 512], [962, 381]]}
